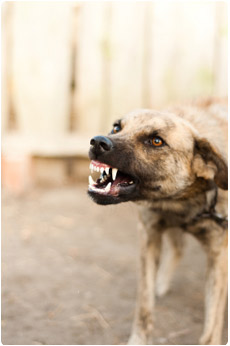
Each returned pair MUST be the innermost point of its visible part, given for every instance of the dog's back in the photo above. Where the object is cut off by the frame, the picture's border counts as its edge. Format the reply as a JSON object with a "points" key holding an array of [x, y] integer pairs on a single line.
{"points": [[210, 118]]}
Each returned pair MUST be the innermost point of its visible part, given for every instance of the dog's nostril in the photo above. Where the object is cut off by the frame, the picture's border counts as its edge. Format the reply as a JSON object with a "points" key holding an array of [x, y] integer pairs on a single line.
{"points": [[105, 146], [101, 143]]}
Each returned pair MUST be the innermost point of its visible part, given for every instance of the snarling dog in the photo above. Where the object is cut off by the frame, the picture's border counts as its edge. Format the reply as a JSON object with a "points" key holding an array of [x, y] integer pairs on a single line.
{"points": [[173, 165]]}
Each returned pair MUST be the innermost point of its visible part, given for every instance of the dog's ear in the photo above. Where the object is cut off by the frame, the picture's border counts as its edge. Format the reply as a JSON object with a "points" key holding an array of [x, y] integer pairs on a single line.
{"points": [[209, 164]]}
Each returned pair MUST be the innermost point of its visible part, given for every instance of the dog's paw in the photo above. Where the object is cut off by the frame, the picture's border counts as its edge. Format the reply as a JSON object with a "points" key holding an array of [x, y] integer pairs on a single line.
{"points": [[135, 339]]}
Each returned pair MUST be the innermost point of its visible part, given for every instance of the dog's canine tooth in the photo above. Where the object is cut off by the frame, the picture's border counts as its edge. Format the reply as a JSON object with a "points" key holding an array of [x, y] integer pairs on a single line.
{"points": [[91, 181], [107, 170], [114, 173], [102, 170], [107, 188]]}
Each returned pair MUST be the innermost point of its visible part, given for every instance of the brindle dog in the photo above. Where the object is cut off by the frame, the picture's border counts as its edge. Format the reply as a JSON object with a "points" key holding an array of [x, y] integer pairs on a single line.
{"points": [[173, 165]]}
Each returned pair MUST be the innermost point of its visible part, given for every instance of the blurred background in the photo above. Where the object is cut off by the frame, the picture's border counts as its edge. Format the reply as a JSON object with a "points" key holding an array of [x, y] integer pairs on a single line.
{"points": [[68, 70]]}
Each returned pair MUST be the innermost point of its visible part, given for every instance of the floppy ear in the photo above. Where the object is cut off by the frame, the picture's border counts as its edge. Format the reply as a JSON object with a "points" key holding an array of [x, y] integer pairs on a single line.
{"points": [[209, 164]]}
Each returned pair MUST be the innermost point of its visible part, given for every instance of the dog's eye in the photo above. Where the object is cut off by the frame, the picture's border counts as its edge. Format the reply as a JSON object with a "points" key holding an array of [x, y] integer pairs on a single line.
{"points": [[116, 128], [157, 142]]}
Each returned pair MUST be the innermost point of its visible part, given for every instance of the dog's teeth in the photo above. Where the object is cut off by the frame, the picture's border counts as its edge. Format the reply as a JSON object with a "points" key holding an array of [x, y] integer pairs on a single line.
{"points": [[107, 170], [91, 181], [102, 170], [131, 182], [114, 173], [95, 168], [102, 179], [108, 187], [93, 188], [98, 169]]}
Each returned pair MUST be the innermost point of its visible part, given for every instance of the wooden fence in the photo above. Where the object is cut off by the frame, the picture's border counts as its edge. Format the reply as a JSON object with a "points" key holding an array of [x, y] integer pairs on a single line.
{"points": [[70, 68]]}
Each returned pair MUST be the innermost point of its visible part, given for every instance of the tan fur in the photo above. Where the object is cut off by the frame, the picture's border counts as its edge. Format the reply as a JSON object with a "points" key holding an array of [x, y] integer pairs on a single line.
{"points": [[175, 184], [201, 123]]}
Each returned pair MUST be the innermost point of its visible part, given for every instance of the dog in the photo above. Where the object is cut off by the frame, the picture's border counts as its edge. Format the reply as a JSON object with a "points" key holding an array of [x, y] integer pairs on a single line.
{"points": [[173, 164]]}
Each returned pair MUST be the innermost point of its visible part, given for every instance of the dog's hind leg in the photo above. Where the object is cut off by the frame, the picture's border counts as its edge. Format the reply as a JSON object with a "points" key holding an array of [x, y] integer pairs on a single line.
{"points": [[215, 290], [143, 321], [172, 250]]}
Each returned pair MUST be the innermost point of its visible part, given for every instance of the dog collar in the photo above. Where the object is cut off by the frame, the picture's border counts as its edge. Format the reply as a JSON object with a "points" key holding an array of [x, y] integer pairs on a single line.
{"points": [[210, 211], [213, 215]]}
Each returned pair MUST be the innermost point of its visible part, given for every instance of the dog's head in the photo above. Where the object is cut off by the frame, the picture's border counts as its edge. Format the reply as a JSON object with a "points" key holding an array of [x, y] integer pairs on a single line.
{"points": [[152, 156]]}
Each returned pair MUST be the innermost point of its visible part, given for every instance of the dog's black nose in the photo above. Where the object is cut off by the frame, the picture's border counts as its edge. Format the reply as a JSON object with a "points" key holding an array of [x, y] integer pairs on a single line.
{"points": [[101, 144]]}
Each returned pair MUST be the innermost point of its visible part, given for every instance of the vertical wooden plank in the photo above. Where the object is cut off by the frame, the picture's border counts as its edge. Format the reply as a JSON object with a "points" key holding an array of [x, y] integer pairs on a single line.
{"points": [[147, 54], [106, 68], [182, 65], [74, 48], [221, 49], [41, 66], [127, 58], [89, 67], [7, 113]]}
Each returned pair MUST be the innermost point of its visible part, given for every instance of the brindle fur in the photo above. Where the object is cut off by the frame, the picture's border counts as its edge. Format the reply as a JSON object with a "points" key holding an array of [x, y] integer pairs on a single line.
{"points": [[175, 185]]}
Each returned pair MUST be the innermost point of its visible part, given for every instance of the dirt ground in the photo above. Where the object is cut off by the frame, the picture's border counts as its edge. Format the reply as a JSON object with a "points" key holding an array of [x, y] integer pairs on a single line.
{"points": [[69, 274]]}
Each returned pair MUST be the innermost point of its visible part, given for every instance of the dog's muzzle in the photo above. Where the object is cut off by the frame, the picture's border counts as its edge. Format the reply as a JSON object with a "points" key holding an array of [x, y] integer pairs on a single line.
{"points": [[109, 184]]}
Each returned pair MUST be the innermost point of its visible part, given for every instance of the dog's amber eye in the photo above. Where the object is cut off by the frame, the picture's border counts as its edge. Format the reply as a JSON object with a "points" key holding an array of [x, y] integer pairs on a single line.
{"points": [[157, 141], [116, 128]]}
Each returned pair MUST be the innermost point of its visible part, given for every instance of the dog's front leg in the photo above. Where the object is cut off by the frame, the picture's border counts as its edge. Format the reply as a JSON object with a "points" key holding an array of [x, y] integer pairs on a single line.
{"points": [[215, 290], [149, 258], [172, 251]]}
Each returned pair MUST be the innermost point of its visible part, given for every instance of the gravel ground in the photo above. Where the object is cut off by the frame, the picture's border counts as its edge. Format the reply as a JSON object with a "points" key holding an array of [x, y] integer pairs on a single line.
{"points": [[69, 274]]}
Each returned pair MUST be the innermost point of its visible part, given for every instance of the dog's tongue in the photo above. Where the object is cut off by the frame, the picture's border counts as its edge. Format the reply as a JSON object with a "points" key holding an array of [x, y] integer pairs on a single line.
{"points": [[121, 181]]}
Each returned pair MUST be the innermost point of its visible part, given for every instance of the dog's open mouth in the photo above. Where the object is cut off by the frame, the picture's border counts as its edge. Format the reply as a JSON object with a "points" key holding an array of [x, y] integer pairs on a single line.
{"points": [[111, 181]]}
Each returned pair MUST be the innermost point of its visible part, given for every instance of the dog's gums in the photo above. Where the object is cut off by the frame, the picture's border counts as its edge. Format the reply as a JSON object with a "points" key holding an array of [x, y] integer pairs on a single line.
{"points": [[111, 182]]}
